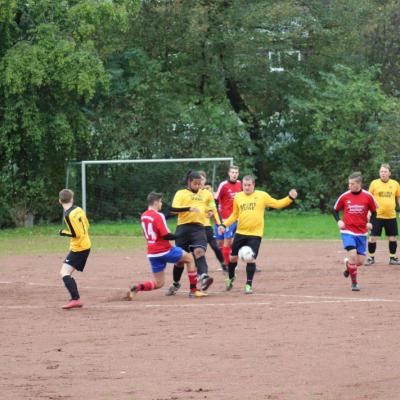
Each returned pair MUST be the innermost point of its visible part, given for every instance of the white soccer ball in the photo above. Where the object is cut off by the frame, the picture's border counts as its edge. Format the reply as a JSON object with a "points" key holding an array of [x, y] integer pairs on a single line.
{"points": [[246, 254]]}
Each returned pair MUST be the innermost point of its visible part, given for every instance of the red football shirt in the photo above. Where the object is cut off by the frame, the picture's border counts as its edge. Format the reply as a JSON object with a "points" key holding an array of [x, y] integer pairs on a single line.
{"points": [[355, 208], [225, 195], [154, 228]]}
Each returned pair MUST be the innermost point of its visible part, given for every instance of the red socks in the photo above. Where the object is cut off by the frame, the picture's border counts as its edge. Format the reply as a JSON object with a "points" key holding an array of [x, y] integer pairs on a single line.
{"points": [[353, 272], [146, 286], [193, 281], [226, 252]]}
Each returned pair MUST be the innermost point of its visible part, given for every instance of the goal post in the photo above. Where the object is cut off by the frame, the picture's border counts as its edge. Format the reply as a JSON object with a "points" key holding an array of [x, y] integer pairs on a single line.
{"points": [[211, 164]]}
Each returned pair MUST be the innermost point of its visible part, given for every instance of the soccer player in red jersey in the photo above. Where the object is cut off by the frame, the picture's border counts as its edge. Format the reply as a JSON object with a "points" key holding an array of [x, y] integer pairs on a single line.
{"points": [[160, 251], [355, 204], [224, 197]]}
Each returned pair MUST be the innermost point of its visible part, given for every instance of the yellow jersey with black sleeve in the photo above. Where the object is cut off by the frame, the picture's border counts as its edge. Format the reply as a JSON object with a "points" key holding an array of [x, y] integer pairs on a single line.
{"points": [[203, 200], [248, 210], [386, 195], [78, 229]]}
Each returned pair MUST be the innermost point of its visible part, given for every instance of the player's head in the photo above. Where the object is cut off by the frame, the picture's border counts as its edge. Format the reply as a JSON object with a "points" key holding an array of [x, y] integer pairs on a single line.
{"points": [[203, 178], [248, 184], [233, 173], [193, 180], [355, 182], [66, 196], [385, 172], [154, 200]]}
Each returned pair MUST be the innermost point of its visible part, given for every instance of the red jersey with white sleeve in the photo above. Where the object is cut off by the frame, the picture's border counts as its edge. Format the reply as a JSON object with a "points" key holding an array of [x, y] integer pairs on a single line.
{"points": [[355, 208], [225, 195], [154, 228]]}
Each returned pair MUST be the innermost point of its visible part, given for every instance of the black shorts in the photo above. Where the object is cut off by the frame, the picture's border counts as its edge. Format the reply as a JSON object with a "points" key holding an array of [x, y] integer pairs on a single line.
{"points": [[210, 234], [77, 259], [245, 240], [390, 226], [191, 236]]}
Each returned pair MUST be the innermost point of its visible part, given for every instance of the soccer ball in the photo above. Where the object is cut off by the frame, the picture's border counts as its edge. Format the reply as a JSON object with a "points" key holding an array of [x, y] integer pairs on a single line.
{"points": [[246, 254]]}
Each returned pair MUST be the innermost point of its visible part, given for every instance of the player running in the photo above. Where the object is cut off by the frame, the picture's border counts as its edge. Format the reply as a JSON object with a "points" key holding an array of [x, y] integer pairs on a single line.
{"points": [[191, 204], [248, 210], [224, 197], [160, 251], [385, 191], [78, 231], [355, 203]]}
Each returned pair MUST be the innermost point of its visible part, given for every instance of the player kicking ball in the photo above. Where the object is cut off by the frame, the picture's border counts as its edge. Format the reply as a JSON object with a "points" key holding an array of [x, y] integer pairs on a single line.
{"points": [[160, 251], [248, 210]]}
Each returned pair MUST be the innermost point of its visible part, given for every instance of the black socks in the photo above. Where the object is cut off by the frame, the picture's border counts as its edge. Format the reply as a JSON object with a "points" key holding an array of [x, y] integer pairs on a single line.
{"points": [[71, 286]]}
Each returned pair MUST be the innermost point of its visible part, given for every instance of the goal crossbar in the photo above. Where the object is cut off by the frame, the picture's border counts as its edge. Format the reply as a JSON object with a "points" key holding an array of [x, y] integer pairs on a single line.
{"points": [[84, 163]]}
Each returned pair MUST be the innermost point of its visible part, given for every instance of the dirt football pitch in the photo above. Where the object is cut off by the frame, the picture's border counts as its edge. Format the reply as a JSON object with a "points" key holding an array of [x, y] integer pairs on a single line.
{"points": [[302, 335]]}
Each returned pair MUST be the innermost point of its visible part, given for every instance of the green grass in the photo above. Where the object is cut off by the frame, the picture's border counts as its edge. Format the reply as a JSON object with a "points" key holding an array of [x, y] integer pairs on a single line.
{"points": [[288, 225], [114, 236]]}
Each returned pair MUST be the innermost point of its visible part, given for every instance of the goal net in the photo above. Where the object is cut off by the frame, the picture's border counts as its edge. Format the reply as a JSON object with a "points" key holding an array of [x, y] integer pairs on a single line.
{"points": [[117, 189]]}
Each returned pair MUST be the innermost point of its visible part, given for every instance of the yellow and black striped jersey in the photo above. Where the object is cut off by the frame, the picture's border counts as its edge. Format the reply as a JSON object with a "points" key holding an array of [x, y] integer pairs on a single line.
{"points": [[78, 229], [386, 195], [203, 200], [248, 210]]}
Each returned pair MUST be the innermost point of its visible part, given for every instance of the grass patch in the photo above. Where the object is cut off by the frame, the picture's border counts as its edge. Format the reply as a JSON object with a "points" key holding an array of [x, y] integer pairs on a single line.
{"points": [[41, 244], [114, 236], [286, 225]]}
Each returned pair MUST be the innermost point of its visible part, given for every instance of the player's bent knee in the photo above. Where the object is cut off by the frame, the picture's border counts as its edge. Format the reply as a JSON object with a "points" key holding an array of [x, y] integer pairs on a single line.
{"points": [[185, 259], [66, 270], [199, 252]]}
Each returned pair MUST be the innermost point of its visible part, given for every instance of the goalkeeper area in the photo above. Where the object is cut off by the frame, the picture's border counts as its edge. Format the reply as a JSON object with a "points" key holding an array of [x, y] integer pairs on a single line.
{"points": [[302, 335], [111, 190]]}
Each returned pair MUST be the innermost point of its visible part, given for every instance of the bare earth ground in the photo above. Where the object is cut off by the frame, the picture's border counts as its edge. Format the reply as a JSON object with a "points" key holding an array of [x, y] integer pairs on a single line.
{"points": [[302, 335]]}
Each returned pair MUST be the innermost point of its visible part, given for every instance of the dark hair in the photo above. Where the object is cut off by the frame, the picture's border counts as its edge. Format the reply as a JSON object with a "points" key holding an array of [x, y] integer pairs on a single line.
{"points": [[357, 176], [66, 196], [152, 197], [192, 175]]}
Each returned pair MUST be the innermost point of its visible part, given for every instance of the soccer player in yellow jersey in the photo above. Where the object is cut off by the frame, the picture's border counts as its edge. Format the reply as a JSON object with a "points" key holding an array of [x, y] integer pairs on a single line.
{"points": [[211, 239], [191, 205], [78, 231], [386, 192], [248, 209]]}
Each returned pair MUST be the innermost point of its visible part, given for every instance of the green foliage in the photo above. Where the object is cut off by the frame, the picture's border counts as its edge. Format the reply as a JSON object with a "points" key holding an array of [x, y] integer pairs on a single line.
{"points": [[342, 131], [83, 79], [49, 70]]}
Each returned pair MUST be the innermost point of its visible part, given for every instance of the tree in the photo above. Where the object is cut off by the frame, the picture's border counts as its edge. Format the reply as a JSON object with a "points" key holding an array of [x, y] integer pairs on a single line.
{"points": [[338, 127], [50, 68]]}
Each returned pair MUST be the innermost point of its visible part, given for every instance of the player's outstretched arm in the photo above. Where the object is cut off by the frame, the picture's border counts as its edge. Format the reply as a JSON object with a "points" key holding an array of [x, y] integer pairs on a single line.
{"points": [[280, 203]]}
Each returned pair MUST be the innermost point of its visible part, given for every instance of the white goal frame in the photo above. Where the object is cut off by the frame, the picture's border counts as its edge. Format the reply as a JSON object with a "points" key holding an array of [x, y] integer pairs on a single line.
{"points": [[84, 163]]}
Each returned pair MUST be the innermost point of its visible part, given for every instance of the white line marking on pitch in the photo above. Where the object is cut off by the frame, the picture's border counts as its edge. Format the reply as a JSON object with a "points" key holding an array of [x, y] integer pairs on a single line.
{"points": [[333, 298], [344, 301], [134, 305], [313, 299]]}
